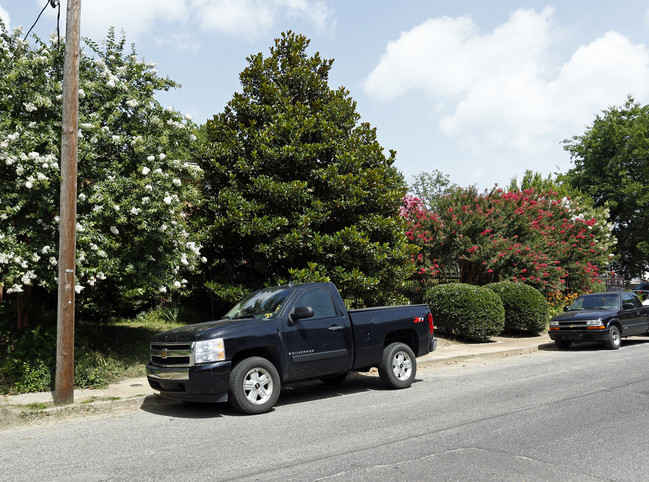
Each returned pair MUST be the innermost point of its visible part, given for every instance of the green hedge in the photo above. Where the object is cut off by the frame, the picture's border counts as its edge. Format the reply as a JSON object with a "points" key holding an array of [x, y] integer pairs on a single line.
{"points": [[526, 309], [470, 312]]}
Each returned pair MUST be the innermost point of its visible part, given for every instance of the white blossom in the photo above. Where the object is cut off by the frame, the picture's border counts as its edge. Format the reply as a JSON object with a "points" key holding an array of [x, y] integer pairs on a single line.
{"points": [[78, 288], [162, 289], [82, 197], [145, 170], [167, 199], [114, 230], [150, 158], [15, 289], [162, 156], [177, 182]]}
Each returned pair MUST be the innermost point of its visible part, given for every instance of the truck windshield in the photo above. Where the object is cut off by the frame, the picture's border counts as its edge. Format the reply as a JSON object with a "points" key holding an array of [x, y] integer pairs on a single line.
{"points": [[596, 302], [266, 303]]}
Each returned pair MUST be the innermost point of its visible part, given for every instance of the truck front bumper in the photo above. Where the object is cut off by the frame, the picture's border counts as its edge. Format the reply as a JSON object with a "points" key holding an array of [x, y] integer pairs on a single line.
{"points": [[202, 383], [579, 335]]}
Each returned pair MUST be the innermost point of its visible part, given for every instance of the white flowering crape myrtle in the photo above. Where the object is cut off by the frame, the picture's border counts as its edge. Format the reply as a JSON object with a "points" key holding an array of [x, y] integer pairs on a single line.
{"points": [[136, 180]]}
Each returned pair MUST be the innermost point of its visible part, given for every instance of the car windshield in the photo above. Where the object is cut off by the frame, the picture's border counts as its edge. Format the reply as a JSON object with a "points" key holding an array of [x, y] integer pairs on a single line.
{"points": [[596, 302], [266, 303]]}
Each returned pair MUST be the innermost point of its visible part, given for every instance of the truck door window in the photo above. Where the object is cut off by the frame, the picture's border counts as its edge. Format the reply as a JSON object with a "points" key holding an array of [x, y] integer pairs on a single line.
{"points": [[320, 300], [627, 298]]}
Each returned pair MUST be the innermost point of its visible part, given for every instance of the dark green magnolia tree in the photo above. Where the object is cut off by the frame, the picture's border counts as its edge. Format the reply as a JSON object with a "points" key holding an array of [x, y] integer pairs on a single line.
{"points": [[297, 188], [612, 166]]}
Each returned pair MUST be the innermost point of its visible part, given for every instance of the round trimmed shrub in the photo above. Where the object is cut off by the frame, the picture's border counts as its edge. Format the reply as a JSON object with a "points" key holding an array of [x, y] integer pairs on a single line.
{"points": [[526, 309], [470, 312]]}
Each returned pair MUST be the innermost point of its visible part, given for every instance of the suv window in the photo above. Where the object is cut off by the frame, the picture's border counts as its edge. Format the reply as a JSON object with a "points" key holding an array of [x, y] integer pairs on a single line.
{"points": [[320, 300]]}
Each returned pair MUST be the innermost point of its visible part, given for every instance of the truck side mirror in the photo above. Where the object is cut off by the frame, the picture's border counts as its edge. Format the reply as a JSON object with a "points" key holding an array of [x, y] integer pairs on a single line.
{"points": [[628, 306], [300, 313]]}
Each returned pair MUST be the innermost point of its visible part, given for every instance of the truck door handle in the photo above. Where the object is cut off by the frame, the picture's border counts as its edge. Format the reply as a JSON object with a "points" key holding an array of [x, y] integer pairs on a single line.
{"points": [[335, 328]]}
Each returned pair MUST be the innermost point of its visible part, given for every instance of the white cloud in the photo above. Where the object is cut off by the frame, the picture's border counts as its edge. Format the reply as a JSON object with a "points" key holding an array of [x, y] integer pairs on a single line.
{"points": [[4, 15], [253, 17], [172, 22], [135, 17], [502, 89]]}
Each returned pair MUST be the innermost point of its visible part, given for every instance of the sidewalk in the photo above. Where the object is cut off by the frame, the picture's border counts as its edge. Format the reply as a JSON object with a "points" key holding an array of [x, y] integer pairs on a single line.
{"points": [[131, 393]]}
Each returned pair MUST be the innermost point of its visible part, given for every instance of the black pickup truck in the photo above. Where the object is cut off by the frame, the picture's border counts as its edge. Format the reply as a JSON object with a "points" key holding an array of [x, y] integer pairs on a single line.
{"points": [[285, 334], [603, 317]]}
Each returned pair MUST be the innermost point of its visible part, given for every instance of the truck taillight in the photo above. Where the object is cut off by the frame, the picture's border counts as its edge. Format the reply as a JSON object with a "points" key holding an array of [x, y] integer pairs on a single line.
{"points": [[431, 325]]}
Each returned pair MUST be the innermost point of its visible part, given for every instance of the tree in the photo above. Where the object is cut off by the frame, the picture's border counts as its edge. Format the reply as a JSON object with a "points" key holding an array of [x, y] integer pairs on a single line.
{"points": [[133, 244], [611, 162], [431, 187], [296, 187], [545, 240]]}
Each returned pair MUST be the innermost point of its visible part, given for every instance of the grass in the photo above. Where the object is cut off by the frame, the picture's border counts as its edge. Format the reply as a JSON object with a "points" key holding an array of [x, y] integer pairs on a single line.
{"points": [[105, 352]]}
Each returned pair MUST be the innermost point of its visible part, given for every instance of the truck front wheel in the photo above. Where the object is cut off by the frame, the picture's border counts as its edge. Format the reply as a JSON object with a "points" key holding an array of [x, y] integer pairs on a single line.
{"points": [[254, 386], [614, 339], [398, 366]]}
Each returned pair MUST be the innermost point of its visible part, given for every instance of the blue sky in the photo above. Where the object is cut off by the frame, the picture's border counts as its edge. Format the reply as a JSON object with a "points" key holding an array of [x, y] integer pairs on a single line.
{"points": [[480, 91]]}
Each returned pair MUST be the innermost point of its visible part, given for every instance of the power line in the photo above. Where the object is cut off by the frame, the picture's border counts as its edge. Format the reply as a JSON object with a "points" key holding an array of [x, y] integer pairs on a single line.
{"points": [[53, 4]]}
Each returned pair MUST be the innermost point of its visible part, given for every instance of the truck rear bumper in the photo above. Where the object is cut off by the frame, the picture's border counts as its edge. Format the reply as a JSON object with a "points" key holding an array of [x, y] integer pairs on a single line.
{"points": [[203, 383], [433, 344]]}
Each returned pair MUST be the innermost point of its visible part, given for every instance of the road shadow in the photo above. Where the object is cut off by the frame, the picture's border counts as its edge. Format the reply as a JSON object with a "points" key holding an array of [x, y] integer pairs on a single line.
{"points": [[307, 391], [586, 346]]}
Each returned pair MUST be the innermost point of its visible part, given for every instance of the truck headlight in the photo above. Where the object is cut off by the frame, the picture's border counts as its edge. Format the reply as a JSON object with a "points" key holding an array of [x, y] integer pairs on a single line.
{"points": [[554, 323], [593, 322], [209, 350]]}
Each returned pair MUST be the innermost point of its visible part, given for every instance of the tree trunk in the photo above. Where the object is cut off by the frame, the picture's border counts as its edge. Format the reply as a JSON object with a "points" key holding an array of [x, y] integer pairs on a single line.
{"points": [[2, 289], [22, 308]]}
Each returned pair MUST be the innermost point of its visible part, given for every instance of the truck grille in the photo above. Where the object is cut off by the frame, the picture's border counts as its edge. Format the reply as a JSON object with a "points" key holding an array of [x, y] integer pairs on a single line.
{"points": [[171, 354]]}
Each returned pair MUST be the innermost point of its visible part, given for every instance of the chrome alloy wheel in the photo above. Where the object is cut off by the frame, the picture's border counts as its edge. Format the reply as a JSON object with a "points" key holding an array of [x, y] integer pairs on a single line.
{"points": [[258, 386], [401, 365]]}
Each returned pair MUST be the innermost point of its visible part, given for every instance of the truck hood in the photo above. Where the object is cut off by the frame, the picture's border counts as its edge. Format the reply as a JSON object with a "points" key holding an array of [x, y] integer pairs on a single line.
{"points": [[202, 331], [584, 315]]}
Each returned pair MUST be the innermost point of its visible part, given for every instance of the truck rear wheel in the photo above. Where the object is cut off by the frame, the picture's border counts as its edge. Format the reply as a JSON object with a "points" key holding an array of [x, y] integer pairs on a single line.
{"points": [[254, 386], [398, 366]]}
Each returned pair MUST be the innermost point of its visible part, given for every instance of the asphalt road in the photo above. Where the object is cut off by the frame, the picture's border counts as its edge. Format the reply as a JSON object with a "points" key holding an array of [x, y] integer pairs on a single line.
{"points": [[581, 414]]}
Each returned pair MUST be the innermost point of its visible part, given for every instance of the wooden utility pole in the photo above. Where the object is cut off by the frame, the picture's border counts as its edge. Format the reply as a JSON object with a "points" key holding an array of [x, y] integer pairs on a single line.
{"points": [[64, 383]]}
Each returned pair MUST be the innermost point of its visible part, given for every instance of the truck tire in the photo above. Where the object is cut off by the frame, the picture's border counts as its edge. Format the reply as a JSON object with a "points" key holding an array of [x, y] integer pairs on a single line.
{"points": [[398, 366], [254, 386], [614, 338]]}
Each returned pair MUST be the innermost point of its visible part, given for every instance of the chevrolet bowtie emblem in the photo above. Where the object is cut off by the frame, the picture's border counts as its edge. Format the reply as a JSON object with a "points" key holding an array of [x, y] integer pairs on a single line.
{"points": [[163, 353]]}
